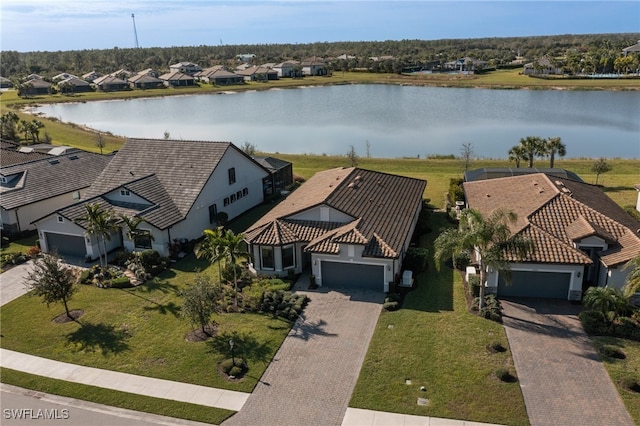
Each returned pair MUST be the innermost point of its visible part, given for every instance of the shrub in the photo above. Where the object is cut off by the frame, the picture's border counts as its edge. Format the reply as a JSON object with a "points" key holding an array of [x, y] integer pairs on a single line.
{"points": [[474, 285], [594, 322], [391, 305], [86, 276], [120, 282], [455, 190], [612, 351], [461, 260], [628, 328], [504, 375], [235, 367], [630, 383], [121, 257], [33, 251], [492, 308], [285, 304], [416, 260]]}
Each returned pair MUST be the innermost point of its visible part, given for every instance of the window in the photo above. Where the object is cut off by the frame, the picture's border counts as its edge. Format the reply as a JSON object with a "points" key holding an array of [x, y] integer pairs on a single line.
{"points": [[60, 219], [76, 195], [245, 192], [125, 192], [266, 257], [226, 201], [142, 239], [213, 212], [232, 176], [239, 195], [288, 257], [3, 179], [233, 198]]}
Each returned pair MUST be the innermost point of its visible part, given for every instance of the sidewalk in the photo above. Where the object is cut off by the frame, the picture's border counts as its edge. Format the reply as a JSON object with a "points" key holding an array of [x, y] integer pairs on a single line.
{"points": [[358, 417], [158, 388]]}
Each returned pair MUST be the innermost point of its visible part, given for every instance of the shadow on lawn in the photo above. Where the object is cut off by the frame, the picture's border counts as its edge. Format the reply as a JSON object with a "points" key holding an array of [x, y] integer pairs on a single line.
{"points": [[98, 337], [167, 308], [245, 346]]}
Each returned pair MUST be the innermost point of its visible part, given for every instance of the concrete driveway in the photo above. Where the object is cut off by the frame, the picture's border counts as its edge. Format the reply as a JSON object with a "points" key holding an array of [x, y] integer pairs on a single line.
{"points": [[561, 376], [313, 374], [12, 282]]}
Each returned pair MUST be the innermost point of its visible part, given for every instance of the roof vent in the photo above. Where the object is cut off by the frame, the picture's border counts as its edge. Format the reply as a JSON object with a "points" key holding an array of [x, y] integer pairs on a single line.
{"points": [[358, 177], [54, 161], [352, 185], [559, 183], [73, 157]]}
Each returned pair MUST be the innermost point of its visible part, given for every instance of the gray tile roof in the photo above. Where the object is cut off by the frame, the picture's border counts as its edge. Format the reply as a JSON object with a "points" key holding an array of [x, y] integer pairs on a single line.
{"points": [[49, 177], [11, 156], [382, 207]]}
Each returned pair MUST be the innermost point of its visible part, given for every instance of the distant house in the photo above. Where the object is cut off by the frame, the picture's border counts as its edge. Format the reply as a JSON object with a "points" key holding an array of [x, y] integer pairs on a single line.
{"points": [[5, 83], [631, 49], [145, 81], [91, 76], [109, 83], [31, 189], [188, 68], [465, 64], [352, 227], [74, 85], [581, 237], [63, 76], [314, 67], [288, 69], [256, 73], [500, 172], [245, 57], [280, 174], [178, 187], [220, 76], [34, 87], [177, 79], [542, 66]]}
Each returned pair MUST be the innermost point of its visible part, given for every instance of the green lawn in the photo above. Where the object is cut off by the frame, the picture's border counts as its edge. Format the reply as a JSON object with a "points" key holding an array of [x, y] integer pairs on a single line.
{"points": [[619, 368], [435, 342], [113, 398], [140, 331]]}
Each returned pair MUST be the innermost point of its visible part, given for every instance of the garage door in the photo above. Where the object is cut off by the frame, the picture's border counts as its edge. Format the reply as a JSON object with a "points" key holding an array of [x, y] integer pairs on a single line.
{"points": [[352, 275], [549, 285], [66, 245]]}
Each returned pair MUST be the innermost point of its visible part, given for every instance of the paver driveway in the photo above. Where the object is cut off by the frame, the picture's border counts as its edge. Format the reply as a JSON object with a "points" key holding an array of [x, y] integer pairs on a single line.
{"points": [[562, 378], [312, 376]]}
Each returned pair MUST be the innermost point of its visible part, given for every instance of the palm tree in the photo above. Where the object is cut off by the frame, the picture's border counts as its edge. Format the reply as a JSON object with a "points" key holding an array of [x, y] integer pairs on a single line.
{"points": [[132, 224], [554, 146], [516, 153], [232, 249], [211, 248], [99, 223], [608, 300], [532, 147], [491, 240], [633, 279]]}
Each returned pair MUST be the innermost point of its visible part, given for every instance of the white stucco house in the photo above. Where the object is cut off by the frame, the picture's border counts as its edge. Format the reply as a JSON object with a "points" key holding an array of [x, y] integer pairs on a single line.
{"points": [[178, 187], [351, 227], [39, 184], [581, 237]]}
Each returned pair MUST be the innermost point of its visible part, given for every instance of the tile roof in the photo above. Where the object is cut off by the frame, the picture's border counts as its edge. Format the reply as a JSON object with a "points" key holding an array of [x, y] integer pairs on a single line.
{"points": [[11, 156], [49, 177], [555, 213], [169, 173], [382, 207]]}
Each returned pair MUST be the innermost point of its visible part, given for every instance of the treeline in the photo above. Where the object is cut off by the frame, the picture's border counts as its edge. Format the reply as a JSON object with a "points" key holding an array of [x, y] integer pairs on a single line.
{"points": [[598, 49]]}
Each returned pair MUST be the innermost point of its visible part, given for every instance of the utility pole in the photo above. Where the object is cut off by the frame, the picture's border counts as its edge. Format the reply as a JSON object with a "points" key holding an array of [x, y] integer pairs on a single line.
{"points": [[135, 33]]}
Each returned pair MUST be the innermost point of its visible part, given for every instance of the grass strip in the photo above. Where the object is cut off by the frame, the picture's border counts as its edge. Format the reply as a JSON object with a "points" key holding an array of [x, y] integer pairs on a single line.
{"points": [[162, 407]]}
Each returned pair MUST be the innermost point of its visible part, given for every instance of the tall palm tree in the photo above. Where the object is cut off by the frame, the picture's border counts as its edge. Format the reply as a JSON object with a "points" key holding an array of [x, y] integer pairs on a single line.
{"points": [[633, 279], [516, 154], [489, 237], [99, 223], [232, 249], [211, 247], [554, 146], [532, 147], [132, 224]]}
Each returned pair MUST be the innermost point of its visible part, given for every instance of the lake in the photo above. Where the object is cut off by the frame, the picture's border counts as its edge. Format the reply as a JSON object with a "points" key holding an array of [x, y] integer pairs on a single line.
{"points": [[394, 121]]}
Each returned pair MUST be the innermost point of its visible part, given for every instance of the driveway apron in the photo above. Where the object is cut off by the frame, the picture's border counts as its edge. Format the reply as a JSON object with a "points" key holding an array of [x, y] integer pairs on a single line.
{"points": [[562, 378], [314, 372], [12, 282]]}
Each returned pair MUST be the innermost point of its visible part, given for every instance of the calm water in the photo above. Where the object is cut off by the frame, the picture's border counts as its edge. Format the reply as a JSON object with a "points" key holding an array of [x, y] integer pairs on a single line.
{"points": [[396, 121]]}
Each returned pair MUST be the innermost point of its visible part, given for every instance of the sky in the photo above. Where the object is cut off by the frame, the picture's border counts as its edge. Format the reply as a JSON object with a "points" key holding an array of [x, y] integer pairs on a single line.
{"points": [[52, 25]]}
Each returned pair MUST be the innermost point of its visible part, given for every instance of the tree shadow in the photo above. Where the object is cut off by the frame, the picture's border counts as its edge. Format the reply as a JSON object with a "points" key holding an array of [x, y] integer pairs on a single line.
{"points": [[305, 330], [161, 285], [163, 309], [98, 337], [615, 188], [244, 346]]}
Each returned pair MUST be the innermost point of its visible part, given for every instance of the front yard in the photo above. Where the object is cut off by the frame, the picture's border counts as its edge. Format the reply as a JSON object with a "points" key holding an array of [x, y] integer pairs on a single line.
{"points": [[433, 341], [140, 331]]}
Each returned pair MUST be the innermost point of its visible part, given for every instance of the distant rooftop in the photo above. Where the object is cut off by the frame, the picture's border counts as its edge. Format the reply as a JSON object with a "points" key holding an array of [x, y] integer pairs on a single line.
{"points": [[500, 172]]}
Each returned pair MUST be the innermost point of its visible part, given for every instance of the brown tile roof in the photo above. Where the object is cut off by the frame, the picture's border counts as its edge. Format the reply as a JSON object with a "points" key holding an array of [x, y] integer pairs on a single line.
{"points": [[554, 212], [381, 205]]}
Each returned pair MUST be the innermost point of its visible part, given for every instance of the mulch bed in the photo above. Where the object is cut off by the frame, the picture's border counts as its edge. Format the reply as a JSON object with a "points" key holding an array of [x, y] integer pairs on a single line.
{"points": [[199, 336], [64, 318]]}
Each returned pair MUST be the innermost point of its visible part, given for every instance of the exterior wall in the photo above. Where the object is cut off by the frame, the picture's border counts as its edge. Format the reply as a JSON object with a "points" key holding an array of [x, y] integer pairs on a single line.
{"points": [[616, 276], [575, 287], [8, 221], [638, 201], [115, 195], [248, 175], [278, 269], [323, 213], [51, 224]]}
